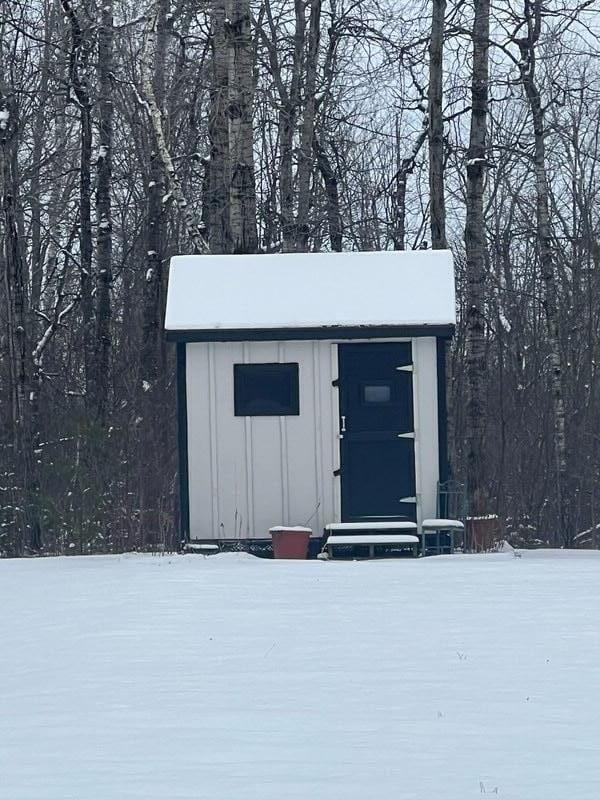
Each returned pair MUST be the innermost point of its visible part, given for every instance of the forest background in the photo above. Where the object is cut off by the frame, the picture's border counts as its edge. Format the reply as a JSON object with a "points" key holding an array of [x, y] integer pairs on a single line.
{"points": [[131, 133]]}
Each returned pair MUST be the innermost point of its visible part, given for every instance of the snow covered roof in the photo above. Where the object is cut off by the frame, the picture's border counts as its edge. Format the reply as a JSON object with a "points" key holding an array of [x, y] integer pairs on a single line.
{"points": [[292, 291]]}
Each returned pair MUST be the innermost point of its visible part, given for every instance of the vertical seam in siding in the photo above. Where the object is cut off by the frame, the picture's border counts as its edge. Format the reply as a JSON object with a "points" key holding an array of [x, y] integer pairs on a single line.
{"points": [[214, 460], [317, 434], [249, 458], [239, 473]]}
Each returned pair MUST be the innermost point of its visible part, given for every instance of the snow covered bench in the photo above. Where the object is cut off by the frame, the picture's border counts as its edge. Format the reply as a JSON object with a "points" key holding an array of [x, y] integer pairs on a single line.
{"points": [[348, 536], [438, 535], [204, 548]]}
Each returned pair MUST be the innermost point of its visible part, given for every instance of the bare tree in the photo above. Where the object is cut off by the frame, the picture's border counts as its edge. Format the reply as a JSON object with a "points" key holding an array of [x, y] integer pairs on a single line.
{"points": [[19, 326], [305, 154], [243, 190], [79, 94], [219, 169], [102, 380], [476, 256], [436, 127], [533, 12]]}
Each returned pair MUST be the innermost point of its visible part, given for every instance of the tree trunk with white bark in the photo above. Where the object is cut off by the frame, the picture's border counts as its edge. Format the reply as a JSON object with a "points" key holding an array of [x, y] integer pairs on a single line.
{"points": [[150, 381], [193, 226]]}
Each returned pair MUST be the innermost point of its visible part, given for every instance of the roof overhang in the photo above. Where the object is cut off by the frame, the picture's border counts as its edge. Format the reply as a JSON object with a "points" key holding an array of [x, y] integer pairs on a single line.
{"points": [[303, 334]]}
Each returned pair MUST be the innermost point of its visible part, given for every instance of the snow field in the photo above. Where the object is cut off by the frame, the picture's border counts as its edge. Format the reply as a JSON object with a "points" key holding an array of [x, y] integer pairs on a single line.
{"points": [[236, 678]]}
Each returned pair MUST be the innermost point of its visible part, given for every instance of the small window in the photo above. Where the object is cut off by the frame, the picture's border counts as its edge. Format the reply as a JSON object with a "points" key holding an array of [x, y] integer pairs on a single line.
{"points": [[266, 390], [377, 393]]}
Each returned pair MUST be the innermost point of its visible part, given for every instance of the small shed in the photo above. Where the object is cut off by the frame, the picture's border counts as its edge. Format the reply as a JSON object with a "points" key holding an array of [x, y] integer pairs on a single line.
{"points": [[311, 388]]}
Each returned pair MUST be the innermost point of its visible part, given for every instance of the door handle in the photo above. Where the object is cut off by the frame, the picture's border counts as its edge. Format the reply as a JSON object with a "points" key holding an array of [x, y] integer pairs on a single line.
{"points": [[343, 426]]}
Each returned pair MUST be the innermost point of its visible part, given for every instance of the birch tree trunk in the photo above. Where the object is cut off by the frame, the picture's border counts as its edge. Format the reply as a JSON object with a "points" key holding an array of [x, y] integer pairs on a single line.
{"points": [[192, 225], [102, 380], [243, 190], [476, 255], [405, 167], [436, 127], [287, 124], [39, 136], [149, 376], [305, 155], [527, 67]]}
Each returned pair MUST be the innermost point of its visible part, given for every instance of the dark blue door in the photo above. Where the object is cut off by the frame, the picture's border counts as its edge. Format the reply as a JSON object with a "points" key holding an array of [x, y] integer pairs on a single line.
{"points": [[377, 432]]}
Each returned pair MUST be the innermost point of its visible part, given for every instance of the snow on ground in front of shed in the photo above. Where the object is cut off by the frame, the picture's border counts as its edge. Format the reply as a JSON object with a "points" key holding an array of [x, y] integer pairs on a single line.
{"points": [[235, 678]]}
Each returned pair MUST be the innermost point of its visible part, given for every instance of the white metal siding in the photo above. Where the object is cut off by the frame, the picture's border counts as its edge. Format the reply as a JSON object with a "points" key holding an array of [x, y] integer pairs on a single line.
{"points": [[247, 474]]}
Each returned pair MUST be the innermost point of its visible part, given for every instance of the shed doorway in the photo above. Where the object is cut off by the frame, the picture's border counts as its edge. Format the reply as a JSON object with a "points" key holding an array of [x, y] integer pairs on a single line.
{"points": [[377, 447]]}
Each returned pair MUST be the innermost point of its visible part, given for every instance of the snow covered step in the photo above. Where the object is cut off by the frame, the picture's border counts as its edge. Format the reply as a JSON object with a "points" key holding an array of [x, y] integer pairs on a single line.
{"points": [[375, 538], [353, 539], [204, 549], [344, 527]]}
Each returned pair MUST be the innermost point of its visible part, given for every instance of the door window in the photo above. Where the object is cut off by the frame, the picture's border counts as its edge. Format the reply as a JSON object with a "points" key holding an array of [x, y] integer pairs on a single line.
{"points": [[376, 393]]}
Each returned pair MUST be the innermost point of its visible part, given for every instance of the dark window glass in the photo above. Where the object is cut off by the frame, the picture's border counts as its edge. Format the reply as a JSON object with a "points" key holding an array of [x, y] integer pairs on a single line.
{"points": [[379, 393], [266, 390]]}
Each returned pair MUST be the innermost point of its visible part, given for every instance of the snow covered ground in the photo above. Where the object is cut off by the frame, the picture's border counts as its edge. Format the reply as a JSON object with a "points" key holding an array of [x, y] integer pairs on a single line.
{"points": [[234, 678]]}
